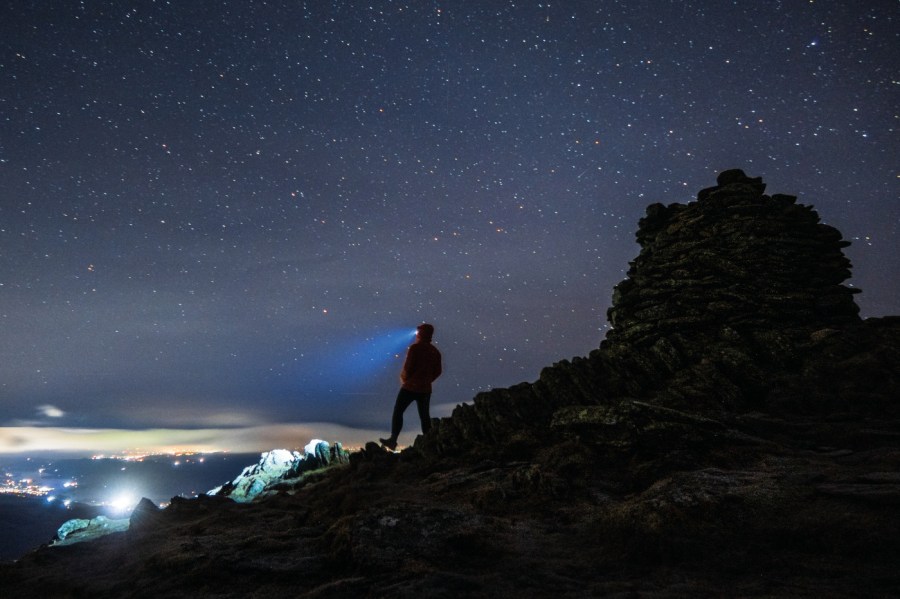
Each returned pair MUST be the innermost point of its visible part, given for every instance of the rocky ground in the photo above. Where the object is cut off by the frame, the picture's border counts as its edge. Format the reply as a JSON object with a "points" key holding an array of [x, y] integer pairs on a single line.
{"points": [[737, 434]]}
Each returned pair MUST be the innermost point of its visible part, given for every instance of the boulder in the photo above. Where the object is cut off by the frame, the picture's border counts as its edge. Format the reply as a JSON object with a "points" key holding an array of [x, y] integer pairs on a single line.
{"points": [[78, 530]]}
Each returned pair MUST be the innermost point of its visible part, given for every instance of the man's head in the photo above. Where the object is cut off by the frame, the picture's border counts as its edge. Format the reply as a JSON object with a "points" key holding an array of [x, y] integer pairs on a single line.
{"points": [[425, 331]]}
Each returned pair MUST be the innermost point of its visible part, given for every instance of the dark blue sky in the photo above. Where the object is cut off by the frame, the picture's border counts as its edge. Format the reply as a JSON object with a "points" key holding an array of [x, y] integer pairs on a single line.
{"points": [[211, 212]]}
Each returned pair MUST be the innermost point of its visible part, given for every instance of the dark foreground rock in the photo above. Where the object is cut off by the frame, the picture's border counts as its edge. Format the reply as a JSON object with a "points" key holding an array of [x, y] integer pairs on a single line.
{"points": [[737, 434], [756, 520]]}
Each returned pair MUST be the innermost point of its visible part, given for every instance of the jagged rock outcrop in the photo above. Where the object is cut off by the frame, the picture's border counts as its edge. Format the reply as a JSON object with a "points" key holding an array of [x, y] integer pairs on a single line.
{"points": [[280, 469], [736, 434]]}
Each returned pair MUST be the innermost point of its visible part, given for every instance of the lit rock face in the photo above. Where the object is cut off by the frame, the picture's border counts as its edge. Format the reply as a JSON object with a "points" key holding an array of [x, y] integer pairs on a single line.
{"points": [[278, 468], [78, 529]]}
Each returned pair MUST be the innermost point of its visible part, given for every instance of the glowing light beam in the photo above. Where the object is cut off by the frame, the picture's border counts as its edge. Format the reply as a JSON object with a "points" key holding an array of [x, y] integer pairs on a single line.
{"points": [[351, 363]]}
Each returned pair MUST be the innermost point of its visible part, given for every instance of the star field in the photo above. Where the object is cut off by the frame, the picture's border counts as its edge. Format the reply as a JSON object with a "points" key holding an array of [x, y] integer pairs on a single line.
{"points": [[206, 208]]}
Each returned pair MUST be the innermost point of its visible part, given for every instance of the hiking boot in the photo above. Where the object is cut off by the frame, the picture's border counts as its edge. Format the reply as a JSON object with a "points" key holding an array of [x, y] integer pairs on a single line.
{"points": [[389, 443]]}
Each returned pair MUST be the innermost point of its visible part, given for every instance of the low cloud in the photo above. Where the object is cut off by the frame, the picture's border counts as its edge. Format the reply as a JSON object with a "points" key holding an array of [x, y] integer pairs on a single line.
{"points": [[25, 439], [49, 411]]}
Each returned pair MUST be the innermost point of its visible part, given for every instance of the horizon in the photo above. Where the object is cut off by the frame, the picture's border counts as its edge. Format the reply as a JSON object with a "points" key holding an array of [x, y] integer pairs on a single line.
{"points": [[21, 441]]}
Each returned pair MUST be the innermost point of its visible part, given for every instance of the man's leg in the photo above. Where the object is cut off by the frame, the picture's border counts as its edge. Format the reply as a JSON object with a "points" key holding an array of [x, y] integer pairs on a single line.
{"points": [[404, 398], [423, 401]]}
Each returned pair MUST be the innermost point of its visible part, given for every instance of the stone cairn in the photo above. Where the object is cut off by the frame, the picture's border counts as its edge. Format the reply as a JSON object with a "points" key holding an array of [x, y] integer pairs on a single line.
{"points": [[734, 260]]}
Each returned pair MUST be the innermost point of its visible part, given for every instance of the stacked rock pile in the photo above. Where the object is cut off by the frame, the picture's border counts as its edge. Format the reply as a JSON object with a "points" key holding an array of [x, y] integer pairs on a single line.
{"points": [[734, 260]]}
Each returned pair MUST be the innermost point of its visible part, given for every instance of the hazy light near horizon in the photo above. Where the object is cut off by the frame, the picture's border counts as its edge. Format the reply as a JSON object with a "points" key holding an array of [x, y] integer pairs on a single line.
{"points": [[50, 411], [26, 439]]}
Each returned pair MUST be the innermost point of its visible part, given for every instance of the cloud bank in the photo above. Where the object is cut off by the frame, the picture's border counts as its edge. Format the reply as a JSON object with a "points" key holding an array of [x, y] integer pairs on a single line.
{"points": [[25, 439]]}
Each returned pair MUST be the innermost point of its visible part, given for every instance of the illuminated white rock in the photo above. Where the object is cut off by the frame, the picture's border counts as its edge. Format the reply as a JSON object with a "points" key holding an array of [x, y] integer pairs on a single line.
{"points": [[280, 467], [79, 529], [310, 448]]}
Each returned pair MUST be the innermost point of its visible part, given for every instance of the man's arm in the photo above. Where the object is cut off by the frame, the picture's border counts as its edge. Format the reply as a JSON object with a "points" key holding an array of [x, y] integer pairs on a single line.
{"points": [[409, 365], [439, 369]]}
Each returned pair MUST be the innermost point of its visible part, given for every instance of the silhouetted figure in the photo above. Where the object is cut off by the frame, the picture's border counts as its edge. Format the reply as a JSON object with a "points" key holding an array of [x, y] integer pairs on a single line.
{"points": [[421, 368]]}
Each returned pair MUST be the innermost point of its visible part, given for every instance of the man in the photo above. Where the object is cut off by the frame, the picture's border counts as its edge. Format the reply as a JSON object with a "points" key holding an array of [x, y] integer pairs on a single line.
{"points": [[421, 368]]}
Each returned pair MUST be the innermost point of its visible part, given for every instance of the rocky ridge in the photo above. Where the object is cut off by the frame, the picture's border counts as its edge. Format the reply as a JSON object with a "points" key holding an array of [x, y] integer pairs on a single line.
{"points": [[737, 433], [733, 309]]}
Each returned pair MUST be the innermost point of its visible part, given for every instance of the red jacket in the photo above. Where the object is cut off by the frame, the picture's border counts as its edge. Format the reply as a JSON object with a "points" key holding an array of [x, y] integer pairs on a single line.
{"points": [[422, 367]]}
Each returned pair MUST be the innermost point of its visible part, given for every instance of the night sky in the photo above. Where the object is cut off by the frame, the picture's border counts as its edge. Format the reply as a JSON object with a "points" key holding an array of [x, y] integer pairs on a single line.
{"points": [[230, 215]]}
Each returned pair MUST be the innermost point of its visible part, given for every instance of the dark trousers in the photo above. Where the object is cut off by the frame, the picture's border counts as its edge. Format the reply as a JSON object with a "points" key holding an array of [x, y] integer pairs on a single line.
{"points": [[404, 399]]}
